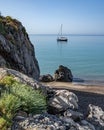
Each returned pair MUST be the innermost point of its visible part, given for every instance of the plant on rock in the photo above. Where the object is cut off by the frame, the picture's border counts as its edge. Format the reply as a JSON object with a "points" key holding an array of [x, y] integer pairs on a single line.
{"points": [[16, 96]]}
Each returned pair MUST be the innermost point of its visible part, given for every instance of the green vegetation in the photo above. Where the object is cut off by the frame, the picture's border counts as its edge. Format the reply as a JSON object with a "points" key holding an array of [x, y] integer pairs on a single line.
{"points": [[6, 22], [12, 22], [2, 28], [9, 27], [16, 96]]}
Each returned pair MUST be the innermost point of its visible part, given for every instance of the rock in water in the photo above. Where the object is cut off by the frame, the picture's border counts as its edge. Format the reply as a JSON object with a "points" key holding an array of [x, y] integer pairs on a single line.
{"points": [[16, 50], [63, 74]]}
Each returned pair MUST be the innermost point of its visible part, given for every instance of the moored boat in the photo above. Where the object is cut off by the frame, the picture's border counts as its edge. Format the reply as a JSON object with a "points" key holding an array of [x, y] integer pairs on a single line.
{"points": [[61, 37]]}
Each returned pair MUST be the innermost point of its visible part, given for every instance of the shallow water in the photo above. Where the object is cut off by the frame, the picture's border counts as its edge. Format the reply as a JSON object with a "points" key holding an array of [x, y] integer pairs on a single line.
{"points": [[84, 55]]}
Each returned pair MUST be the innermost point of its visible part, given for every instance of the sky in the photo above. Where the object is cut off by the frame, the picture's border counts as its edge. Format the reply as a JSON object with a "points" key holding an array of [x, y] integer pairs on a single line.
{"points": [[46, 16]]}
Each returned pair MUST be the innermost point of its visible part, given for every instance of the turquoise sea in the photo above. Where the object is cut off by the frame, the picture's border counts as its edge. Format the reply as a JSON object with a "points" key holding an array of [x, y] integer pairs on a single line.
{"points": [[84, 55]]}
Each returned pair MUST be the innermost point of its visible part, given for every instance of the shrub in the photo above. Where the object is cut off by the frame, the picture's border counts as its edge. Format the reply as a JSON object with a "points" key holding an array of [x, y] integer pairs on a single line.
{"points": [[3, 124], [7, 81], [9, 104], [31, 101], [8, 18], [2, 29], [17, 96]]}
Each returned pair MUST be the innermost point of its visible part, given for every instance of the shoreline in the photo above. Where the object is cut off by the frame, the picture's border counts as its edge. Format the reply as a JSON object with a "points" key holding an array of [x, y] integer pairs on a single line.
{"points": [[87, 94], [97, 89]]}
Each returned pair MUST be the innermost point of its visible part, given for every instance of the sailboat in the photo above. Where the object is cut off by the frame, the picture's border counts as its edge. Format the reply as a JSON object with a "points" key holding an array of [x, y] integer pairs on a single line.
{"points": [[61, 37]]}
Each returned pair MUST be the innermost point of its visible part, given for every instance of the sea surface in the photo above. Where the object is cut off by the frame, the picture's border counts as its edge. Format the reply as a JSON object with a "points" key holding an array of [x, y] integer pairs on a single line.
{"points": [[84, 55]]}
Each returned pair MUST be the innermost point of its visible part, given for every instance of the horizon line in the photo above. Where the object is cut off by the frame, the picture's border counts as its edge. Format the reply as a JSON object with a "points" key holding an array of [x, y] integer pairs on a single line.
{"points": [[67, 34]]}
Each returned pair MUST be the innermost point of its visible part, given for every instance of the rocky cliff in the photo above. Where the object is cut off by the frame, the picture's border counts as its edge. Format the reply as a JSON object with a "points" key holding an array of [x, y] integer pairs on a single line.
{"points": [[16, 50]]}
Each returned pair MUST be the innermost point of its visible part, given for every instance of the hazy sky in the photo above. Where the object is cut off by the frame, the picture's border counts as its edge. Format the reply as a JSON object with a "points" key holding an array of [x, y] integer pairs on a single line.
{"points": [[45, 16]]}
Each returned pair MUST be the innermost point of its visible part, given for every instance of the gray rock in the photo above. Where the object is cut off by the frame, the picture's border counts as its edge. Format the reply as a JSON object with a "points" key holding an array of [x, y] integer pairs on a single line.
{"points": [[43, 121], [19, 118], [96, 116], [77, 125], [84, 127], [86, 124], [22, 78], [63, 74], [16, 50], [76, 116], [62, 100], [52, 122], [46, 78], [68, 120]]}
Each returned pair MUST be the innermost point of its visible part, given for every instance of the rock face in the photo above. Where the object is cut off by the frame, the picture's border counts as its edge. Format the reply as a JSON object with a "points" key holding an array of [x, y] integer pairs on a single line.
{"points": [[16, 50], [63, 74]]}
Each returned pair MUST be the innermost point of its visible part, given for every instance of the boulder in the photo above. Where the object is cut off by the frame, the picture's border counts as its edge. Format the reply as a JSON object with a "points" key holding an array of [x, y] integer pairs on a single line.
{"points": [[22, 78], [62, 100], [46, 78], [96, 116], [76, 116], [16, 49], [63, 74], [86, 125]]}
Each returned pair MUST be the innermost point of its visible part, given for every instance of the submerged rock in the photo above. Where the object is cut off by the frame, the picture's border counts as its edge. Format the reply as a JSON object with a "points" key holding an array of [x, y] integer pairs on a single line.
{"points": [[63, 74], [16, 50]]}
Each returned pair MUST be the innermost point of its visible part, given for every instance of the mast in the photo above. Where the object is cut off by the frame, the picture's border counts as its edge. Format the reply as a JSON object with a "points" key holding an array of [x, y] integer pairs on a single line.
{"points": [[61, 38], [61, 29]]}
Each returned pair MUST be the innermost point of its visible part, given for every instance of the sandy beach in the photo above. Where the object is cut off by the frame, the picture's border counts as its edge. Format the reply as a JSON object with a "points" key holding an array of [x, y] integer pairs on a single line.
{"points": [[75, 86], [87, 94]]}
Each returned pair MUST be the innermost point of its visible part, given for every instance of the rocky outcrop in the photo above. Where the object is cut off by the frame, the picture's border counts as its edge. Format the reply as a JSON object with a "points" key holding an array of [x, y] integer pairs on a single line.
{"points": [[46, 78], [70, 120], [16, 50], [63, 74], [64, 114], [22, 78]]}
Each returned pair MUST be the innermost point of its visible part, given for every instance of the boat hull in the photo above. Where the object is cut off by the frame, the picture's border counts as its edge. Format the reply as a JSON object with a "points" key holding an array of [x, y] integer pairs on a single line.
{"points": [[62, 39]]}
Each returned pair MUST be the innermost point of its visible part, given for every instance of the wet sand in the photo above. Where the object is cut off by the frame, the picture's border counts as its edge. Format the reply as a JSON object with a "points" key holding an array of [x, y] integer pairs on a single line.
{"points": [[87, 94]]}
